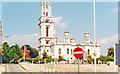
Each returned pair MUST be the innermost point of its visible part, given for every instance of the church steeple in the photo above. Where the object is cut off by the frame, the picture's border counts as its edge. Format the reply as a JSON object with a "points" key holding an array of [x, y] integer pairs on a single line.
{"points": [[86, 38], [46, 25], [66, 37]]}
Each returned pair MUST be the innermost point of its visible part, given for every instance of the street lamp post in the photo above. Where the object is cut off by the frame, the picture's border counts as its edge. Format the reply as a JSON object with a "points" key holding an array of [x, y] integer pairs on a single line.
{"points": [[24, 53], [94, 38]]}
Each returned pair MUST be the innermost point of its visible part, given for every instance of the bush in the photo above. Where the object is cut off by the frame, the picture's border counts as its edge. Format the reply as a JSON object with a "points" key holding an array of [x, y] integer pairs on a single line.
{"points": [[61, 59], [12, 61], [36, 60], [41, 59], [49, 59], [106, 59], [28, 59]]}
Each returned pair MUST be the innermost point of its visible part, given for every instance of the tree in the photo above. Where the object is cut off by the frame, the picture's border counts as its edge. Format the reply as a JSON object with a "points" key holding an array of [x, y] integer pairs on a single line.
{"points": [[11, 53], [45, 55], [110, 52], [33, 52], [61, 58], [18, 51], [90, 59], [15, 53], [5, 58]]}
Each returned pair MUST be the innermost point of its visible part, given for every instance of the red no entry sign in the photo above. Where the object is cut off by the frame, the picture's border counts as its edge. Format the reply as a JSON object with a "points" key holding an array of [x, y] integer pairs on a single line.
{"points": [[78, 52]]}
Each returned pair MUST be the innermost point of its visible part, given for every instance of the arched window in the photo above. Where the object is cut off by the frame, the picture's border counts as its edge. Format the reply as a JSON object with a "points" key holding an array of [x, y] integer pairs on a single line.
{"points": [[88, 52], [59, 50], [67, 51]]}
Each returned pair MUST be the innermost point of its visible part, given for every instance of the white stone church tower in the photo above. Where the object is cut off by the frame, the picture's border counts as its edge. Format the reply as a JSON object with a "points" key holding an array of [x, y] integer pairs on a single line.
{"points": [[46, 27], [52, 46]]}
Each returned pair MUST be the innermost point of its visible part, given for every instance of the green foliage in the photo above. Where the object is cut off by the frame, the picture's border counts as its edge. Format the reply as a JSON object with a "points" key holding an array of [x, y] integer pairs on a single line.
{"points": [[61, 59], [33, 52], [5, 58], [110, 52], [11, 53], [45, 55], [28, 59], [41, 59], [105, 59], [36, 60], [49, 59], [12, 61], [90, 59]]}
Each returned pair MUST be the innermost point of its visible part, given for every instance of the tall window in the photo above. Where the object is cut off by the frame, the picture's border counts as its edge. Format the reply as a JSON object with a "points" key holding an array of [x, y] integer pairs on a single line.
{"points": [[67, 51], [47, 31], [59, 51], [88, 52], [46, 13], [71, 51], [43, 13]]}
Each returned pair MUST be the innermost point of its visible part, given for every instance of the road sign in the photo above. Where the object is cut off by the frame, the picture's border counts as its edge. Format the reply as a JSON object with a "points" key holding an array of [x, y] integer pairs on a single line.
{"points": [[94, 53], [78, 52]]}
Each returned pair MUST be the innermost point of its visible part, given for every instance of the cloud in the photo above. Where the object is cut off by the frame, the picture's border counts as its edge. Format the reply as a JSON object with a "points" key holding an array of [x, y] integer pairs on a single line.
{"points": [[115, 9], [28, 39], [107, 43], [58, 22]]}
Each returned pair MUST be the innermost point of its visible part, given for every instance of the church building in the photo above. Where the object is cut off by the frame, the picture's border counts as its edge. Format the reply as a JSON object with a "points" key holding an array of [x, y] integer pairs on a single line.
{"points": [[49, 43]]}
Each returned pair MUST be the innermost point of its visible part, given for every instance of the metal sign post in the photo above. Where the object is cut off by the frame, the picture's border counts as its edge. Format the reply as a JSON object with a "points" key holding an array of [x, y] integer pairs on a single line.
{"points": [[78, 65], [78, 53]]}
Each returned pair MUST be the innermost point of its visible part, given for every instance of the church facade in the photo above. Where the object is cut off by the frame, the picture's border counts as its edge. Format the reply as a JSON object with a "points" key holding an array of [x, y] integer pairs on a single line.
{"points": [[49, 43]]}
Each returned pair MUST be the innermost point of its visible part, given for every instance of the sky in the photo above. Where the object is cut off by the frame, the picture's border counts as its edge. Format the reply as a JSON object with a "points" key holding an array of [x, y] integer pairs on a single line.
{"points": [[20, 22]]}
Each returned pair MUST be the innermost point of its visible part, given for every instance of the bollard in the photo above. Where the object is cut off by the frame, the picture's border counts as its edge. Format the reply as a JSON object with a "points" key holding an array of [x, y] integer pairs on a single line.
{"points": [[41, 68], [50, 70], [63, 72], [53, 70], [58, 71], [44, 69]]}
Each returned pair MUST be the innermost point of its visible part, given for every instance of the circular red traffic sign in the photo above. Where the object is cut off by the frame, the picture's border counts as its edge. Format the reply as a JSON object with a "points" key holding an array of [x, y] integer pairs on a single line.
{"points": [[78, 52]]}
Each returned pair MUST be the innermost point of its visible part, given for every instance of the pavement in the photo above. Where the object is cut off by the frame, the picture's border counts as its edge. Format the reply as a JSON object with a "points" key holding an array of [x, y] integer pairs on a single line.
{"points": [[67, 68], [10, 68]]}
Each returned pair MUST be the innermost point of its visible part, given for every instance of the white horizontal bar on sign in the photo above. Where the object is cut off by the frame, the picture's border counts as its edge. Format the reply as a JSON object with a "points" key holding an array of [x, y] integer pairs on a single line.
{"points": [[77, 52]]}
